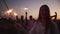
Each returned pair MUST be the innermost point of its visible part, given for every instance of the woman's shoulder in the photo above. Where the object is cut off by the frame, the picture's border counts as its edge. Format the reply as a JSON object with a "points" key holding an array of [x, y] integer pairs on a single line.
{"points": [[55, 27], [54, 23]]}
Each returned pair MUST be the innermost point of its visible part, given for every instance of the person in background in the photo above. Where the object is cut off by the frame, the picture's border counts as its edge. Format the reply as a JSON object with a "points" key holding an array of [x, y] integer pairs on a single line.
{"points": [[22, 22], [55, 17], [30, 23]]}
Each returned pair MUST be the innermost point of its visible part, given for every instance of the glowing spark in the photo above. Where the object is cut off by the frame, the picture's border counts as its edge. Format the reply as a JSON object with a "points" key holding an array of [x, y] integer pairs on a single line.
{"points": [[15, 14], [9, 11]]}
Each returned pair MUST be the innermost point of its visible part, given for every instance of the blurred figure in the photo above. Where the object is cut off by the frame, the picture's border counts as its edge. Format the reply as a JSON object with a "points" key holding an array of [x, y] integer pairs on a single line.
{"points": [[44, 24], [22, 19], [22, 22], [55, 17], [26, 20], [30, 22], [20, 26], [17, 19]]}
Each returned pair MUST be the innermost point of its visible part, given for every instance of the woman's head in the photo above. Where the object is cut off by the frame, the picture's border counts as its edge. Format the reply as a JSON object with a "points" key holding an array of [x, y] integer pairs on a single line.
{"points": [[44, 16], [44, 13]]}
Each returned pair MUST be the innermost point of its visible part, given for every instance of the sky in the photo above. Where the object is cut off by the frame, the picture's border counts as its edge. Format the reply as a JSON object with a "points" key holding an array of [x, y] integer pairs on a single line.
{"points": [[32, 5]]}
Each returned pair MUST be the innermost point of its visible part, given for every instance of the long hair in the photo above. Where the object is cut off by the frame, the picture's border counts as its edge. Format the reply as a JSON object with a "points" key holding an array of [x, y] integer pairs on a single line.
{"points": [[45, 8]]}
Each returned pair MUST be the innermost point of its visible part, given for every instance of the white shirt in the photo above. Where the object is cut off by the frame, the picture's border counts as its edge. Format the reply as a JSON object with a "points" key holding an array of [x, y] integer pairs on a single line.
{"points": [[39, 29]]}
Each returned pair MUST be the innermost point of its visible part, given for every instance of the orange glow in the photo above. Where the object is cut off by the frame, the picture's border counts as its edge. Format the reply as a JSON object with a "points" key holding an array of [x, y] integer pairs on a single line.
{"points": [[58, 16], [9, 11], [15, 14]]}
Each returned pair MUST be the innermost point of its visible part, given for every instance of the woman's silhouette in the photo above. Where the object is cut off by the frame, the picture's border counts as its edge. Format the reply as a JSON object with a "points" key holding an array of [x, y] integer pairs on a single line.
{"points": [[44, 24]]}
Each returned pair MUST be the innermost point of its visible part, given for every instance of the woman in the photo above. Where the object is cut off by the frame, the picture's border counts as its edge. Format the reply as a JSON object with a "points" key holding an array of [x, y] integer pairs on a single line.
{"points": [[44, 24]]}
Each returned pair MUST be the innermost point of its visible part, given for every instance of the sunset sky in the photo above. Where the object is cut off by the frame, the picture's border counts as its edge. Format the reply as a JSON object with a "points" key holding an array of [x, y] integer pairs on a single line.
{"points": [[32, 5]]}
